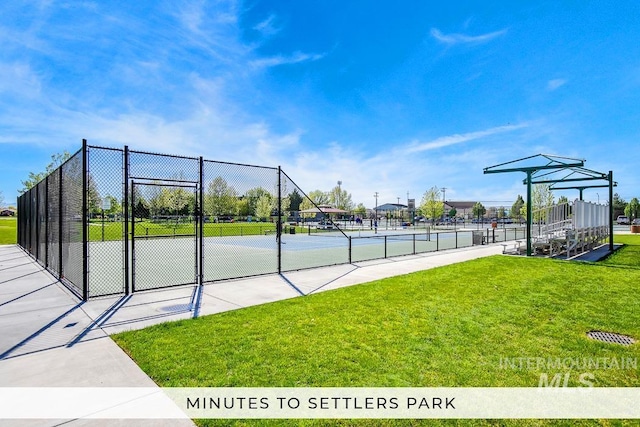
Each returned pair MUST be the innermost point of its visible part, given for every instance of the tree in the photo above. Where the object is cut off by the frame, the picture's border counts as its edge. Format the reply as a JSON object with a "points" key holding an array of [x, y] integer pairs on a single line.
{"points": [[141, 210], [523, 212], [541, 198], [252, 196], [619, 205], [315, 197], [516, 208], [319, 197], [285, 205], [295, 199], [244, 209], [340, 199], [155, 203], [220, 198], [93, 197], [34, 178], [360, 210], [264, 206], [115, 207], [478, 210], [632, 210], [176, 200], [431, 206], [453, 212], [562, 200]]}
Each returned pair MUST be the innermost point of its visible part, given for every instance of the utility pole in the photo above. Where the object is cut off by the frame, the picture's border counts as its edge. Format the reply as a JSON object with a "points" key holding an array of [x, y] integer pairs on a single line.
{"points": [[444, 200], [410, 217]]}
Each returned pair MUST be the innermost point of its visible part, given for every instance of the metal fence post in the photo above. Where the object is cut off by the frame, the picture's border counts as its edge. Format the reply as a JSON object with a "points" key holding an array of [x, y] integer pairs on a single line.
{"points": [[85, 223], [133, 236], [611, 247], [36, 226], [279, 225], [127, 209], [200, 214], [60, 196], [28, 221], [437, 242], [385, 246], [46, 222], [350, 250]]}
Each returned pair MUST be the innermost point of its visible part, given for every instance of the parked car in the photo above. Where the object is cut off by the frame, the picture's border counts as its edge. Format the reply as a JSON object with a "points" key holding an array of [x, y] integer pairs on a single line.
{"points": [[622, 220], [636, 221], [325, 225]]}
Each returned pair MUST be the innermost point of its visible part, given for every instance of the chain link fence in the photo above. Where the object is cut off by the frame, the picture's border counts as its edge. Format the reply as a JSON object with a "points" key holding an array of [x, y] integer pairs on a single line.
{"points": [[113, 221], [50, 223]]}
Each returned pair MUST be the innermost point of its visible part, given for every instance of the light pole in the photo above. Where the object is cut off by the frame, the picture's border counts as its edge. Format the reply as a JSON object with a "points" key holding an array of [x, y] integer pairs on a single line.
{"points": [[338, 196], [597, 194], [376, 212], [397, 211]]}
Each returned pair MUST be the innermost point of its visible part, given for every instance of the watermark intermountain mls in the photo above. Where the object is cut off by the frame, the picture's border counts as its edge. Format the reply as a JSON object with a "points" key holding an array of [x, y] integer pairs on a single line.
{"points": [[581, 369], [568, 363]]}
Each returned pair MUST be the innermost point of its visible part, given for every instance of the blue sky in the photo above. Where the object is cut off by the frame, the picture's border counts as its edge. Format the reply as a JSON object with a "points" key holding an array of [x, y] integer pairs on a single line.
{"points": [[388, 97]]}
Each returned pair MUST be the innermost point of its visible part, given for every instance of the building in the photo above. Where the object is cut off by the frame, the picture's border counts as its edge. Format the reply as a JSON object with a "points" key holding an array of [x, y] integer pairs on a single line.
{"points": [[393, 209], [463, 209]]}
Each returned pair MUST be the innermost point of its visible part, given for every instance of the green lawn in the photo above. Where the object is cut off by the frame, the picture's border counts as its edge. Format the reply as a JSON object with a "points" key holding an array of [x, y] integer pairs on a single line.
{"points": [[449, 326], [113, 230], [628, 255], [8, 232]]}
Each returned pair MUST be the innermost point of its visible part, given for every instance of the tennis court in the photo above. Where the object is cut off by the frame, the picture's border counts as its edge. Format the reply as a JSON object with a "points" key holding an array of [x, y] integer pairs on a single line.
{"points": [[159, 262]]}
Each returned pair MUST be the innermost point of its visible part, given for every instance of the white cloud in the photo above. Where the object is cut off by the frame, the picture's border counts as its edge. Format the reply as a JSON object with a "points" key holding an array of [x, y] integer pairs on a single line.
{"points": [[452, 39], [445, 141], [555, 84], [296, 58], [267, 27]]}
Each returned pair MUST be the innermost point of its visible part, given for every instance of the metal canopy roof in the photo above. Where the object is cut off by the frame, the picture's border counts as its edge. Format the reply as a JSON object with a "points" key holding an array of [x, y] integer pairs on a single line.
{"points": [[551, 169], [536, 163], [572, 175]]}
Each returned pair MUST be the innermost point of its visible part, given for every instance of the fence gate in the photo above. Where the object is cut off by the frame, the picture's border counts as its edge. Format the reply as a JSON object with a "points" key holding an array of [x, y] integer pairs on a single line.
{"points": [[164, 244]]}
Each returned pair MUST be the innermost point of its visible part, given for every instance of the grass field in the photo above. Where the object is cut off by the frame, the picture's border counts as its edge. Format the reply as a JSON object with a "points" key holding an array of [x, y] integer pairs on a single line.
{"points": [[449, 326], [8, 234], [113, 230], [628, 255]]}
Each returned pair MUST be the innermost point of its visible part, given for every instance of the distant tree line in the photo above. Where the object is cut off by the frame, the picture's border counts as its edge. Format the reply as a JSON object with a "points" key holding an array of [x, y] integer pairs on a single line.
{"points": [[222, 199]]}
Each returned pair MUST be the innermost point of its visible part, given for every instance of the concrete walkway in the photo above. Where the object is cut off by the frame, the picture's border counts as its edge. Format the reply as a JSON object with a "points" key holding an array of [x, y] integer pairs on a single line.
{"points": [[50, 339]]}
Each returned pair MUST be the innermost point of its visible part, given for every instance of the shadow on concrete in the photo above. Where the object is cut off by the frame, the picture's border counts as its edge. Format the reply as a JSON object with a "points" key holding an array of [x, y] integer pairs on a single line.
{"points": [[335, 277], [28, 293], [8, 353], [105, 319], [290, 283], [14, 266], [22, 277], [97, 323]]}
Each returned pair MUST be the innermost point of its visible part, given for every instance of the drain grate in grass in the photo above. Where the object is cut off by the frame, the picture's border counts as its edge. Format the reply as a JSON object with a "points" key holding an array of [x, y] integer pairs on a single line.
{"points": [[610, 337]]}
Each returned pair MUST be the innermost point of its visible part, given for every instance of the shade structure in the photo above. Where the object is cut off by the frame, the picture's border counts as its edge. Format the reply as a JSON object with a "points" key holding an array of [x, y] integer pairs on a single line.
{"points": [[322, 209]]}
